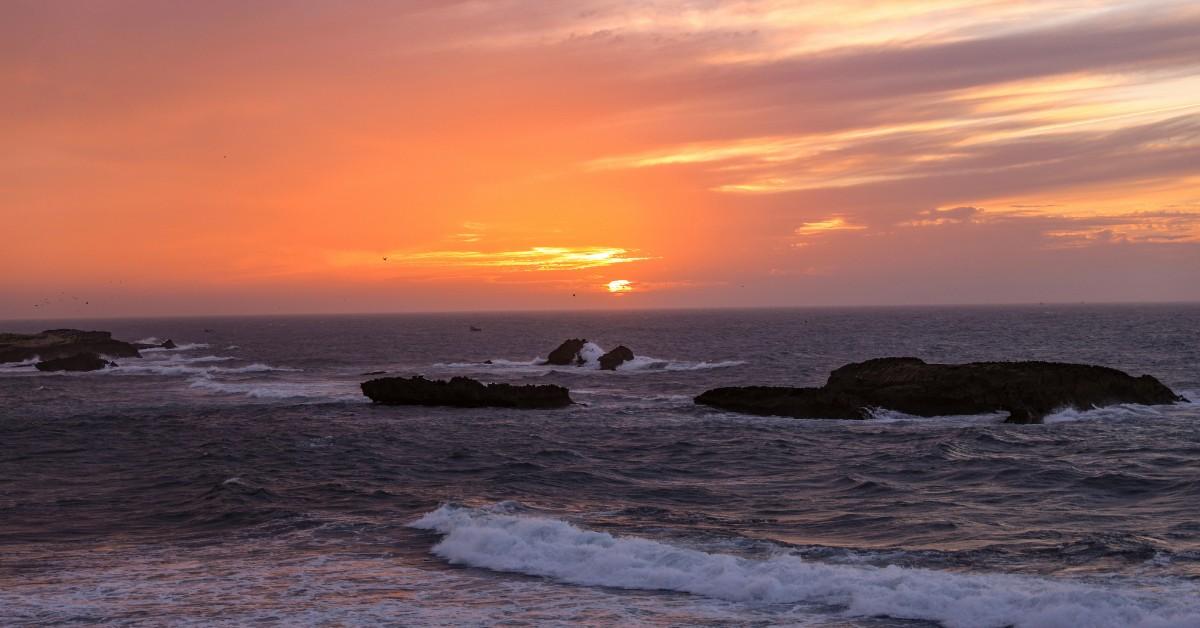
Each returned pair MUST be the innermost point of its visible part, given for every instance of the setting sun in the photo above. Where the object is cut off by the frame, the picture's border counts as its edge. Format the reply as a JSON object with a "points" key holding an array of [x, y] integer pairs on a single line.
{"points": [[620, 285]]}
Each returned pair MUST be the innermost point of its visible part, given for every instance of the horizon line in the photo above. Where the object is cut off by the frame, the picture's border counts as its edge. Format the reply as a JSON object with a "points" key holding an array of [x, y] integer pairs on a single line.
{"points": [[611, 311]]}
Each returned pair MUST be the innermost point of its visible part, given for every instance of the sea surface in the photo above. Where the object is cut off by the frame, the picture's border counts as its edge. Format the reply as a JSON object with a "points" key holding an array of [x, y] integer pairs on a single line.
{"points": [[243, 479]]}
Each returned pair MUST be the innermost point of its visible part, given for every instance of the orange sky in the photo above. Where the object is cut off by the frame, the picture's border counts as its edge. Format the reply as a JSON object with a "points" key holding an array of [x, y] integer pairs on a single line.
{"points": [[230, 157]]}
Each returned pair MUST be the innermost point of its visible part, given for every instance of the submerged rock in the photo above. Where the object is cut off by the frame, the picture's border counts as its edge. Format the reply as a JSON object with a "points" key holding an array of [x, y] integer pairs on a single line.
{"points": [[1028, 391], [567, 353], [611, 360], [463, 392], [78, 362], [62, 343], [169, 344]]}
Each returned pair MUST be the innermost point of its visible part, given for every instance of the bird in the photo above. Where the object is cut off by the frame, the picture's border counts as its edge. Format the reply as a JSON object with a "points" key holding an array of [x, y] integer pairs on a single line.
{"points": [[385, 259]]}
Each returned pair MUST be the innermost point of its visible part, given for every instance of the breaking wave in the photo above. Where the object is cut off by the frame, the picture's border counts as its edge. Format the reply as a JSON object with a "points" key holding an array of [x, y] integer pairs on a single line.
{"points": [[496, 538], [319, 391], [176, 365]]}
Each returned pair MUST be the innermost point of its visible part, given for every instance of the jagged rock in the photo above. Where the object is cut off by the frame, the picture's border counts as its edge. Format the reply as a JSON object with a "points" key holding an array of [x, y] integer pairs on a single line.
{"points": [[611, 360], [169, 344], [463, 392], [61, 343], [567, 353], [77, 362], [1028, 391]]}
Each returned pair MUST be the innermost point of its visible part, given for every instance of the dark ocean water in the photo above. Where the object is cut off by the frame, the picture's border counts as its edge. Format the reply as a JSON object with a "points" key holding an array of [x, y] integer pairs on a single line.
{"points": [[243, 478]]}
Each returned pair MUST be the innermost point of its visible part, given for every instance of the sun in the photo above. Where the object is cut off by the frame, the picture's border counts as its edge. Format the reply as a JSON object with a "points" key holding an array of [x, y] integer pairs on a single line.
{"points": [[620, 285]]}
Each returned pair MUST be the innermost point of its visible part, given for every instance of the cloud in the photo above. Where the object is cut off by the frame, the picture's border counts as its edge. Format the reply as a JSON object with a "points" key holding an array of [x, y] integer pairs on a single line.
{"points": [[1074, 231], [932, 217], [540, 258], [828, 225]]}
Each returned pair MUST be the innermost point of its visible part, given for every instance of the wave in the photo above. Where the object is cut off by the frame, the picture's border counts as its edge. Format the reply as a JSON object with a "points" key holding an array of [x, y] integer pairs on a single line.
{"points": [[155, 340], [177, 364], [187, 346], [1127, 411], [325, 391], [884, 415], [496, 538]]}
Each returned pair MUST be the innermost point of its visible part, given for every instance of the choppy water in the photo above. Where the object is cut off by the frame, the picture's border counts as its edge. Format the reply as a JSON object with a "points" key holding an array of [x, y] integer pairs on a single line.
{"points": [[243, 478]]}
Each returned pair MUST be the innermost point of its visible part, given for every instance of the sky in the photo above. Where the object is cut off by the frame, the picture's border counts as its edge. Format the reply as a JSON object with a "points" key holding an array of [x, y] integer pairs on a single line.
{"points": [[224, 157]]}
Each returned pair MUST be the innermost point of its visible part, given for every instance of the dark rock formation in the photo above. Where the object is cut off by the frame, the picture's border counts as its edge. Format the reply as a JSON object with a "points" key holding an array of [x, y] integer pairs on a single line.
{"points": [[463, 392], [169, 344], [1028, 391], [567, 353], [611, 360], [61, 343], [77, 362]]}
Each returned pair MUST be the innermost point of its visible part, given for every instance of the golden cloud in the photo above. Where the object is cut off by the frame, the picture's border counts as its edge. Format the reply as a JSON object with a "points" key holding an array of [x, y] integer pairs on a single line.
{"points": [[541, 258]]}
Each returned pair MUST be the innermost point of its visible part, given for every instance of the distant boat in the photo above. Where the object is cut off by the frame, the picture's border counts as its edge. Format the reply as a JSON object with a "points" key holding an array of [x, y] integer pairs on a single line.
{"points": [[474, 328]]}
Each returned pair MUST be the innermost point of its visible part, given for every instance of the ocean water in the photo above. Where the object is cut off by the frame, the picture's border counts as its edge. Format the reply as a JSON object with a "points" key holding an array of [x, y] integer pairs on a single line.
{"points": [[242, 478]]}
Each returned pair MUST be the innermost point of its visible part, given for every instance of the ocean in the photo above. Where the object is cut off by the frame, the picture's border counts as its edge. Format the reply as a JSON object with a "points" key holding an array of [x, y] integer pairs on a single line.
{"points": [[242, 478]]}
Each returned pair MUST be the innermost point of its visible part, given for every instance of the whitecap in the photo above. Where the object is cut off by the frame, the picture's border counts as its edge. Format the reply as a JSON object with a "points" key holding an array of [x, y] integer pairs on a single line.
{"points": [[323, 391], [540, 546]]}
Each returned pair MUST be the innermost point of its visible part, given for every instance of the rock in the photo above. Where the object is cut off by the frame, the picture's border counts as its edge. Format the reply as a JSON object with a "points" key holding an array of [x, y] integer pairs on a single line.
{"points": [[611, 360], [369, 373], [567, 353], [61, 343], [169, 344], [1028, 391], [463, 392], [77, 362]]}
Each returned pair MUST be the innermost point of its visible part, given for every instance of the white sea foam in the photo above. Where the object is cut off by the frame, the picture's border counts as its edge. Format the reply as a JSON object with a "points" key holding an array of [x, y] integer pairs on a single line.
{"points": [[883, 415], [1109, 413], [23, 365], [493, 538], [176, 364], [321, 391]]}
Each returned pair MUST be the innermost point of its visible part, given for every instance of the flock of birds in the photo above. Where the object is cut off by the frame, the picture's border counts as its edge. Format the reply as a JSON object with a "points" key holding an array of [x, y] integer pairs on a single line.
{"points": [[63, 299]]}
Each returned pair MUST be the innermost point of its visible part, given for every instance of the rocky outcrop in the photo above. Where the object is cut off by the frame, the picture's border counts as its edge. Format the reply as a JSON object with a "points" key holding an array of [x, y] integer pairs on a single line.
{"points": [[463, 392], [611, 360], [77, 362], [1028, 391], [62, 343], [567, 353]]}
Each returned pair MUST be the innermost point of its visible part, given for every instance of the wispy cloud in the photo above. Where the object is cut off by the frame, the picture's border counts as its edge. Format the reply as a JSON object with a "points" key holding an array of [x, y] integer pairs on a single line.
{"points": [[539, 258], [829, 225]]}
